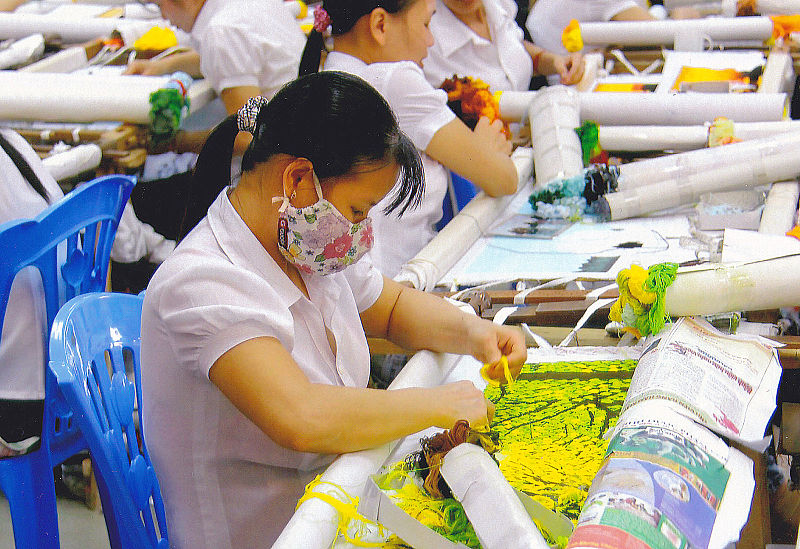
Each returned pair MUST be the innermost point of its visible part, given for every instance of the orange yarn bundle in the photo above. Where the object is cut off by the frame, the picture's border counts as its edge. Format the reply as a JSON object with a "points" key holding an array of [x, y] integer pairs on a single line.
{"points": [[471, 99]]}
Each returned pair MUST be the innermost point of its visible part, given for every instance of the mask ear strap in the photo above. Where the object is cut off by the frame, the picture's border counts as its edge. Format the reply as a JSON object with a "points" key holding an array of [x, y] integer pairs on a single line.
{"points": [[285, 199], [317, 185]]}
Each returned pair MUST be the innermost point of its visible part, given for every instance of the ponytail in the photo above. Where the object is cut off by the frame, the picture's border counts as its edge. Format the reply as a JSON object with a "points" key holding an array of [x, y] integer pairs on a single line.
{"points": [[342, 15], [211, 174], [24, 168], [312, 53]]}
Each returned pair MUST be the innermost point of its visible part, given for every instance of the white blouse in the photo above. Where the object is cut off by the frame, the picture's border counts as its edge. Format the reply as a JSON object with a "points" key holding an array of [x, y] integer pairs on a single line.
{"points": [[225, 483], [21, 345], [421, 111], [248, 43], [547, 18], [502, 62]]}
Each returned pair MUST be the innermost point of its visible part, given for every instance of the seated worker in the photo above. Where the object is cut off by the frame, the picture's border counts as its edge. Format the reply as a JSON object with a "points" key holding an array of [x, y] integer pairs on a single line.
{"points": [[547, 18], [243, 47], [384, 42], [254, 354], [26, 188], [480, 39]]}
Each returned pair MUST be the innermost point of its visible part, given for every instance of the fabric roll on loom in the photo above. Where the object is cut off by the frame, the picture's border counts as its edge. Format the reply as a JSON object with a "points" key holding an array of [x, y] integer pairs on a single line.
{"points": [[315, 523], [780, 208], [682, 138], [622, 109], [663, 33], [85, 98], [665, 182], [483, 491], [730, 8], [71, 31], [721, 288], [554, 115]]}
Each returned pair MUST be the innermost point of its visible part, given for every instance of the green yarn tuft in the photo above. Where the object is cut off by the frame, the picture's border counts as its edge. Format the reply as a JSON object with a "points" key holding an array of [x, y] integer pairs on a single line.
{"points": [[166, 109], [590, 140], [659, 277]]}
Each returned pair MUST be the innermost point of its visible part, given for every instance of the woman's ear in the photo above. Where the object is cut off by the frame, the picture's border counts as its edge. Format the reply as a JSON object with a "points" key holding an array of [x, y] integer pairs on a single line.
{"points": [[378, 22], [298, 182]]}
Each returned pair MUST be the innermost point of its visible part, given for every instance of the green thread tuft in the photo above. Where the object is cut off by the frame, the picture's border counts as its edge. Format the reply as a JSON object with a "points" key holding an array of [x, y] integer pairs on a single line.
{"points": [[590, 140], [659, 278]]}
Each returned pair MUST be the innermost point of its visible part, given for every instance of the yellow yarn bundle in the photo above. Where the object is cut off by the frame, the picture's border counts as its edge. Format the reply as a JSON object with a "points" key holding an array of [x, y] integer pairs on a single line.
{"points": [[640, 306]]}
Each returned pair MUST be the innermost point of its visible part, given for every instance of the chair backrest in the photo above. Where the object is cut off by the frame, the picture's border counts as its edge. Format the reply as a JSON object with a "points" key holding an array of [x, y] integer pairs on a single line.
{"points": [[459, 192], [94, 356], [87, 220]]}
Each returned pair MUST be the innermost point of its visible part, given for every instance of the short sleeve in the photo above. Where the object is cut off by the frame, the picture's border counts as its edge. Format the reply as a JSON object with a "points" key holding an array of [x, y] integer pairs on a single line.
{"points": [[420, 108], [613, 7], [227, 59], [207, 312], [365, 281]]}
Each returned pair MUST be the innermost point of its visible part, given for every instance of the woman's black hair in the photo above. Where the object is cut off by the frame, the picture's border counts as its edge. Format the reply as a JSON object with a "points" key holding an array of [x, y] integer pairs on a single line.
{"points": [[335, 120], [343, 14], [24, 168]]}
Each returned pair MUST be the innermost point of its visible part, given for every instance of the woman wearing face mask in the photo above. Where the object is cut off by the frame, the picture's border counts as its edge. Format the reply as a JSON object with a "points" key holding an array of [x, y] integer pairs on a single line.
{"points": [[479, 38], [254, 355], [385, 43]]}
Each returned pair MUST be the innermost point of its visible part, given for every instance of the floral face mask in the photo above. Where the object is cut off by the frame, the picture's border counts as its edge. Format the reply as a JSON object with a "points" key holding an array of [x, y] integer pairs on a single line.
{"points": [[318, 239]]}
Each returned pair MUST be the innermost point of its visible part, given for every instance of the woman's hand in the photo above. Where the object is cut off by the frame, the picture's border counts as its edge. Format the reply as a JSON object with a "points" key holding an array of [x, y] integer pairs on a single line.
{"points": [[491, 134], [146, 68], [569, 67], [490, 341], [461, 400]]}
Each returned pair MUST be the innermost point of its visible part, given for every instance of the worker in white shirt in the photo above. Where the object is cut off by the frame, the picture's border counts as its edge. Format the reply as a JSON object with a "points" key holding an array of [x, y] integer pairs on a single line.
{"points": [[26, 188], [547, 18], [479, 38], [243, 47], [254, 354], [385, 42]]}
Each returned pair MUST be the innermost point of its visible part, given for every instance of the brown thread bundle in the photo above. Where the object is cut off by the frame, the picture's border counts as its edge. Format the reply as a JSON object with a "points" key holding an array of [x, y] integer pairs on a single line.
{"points": [[428, 460], [745, 8]]}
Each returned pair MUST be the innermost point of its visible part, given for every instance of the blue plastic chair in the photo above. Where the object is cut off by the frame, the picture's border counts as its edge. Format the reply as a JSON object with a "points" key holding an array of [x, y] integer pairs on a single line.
{"points": [[87, 220], [95, 336], [459, 192]]}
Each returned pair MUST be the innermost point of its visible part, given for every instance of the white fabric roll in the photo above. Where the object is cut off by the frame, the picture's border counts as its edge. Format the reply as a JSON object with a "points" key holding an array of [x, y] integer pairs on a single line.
{"points": [[655, 33], [682, 138], [498, 516], [71, 31], [74, 161], [777, 7], [514, 105], [768, 284], [652, 138], [705, 7], [22, 51], [84, 98], [557, 152], [780, 208], [314, 523], [756, 162], [66, 60], [623, 109], [778, 75], [142, 11]]}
